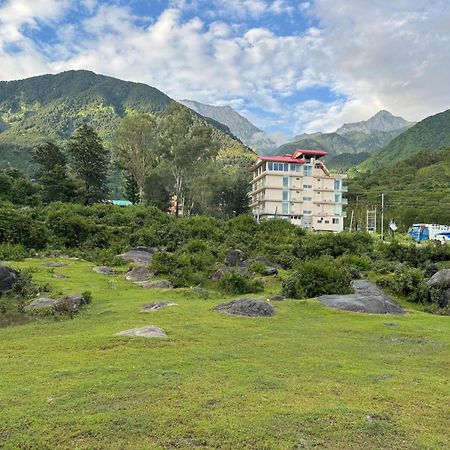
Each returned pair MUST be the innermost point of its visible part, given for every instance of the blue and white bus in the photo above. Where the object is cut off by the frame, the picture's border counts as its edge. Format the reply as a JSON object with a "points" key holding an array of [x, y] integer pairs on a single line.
{"points": [[425, 231]]}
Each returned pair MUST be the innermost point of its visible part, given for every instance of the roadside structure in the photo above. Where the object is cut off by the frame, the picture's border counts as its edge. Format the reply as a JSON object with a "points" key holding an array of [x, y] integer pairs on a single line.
{"points": [[298, 188]]}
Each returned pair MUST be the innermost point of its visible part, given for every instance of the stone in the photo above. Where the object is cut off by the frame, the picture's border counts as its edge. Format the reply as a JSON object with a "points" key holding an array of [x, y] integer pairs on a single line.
{"points": [[440, 280], [150, 331], [60, 275], [277, 298], [54, 264], [235, 258], [139, 273], [262, 260], [139, 255], [40, 303], [271, 271], [368, 298], [158, 284], [69, 303], [220, 273], [8, 278], [431, 270], [150, 307], [249, 307], [105, 270]]}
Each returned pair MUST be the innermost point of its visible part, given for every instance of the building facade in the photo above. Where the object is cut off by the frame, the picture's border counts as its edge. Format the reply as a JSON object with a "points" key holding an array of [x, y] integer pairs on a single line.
{"points": [[298, 188]]}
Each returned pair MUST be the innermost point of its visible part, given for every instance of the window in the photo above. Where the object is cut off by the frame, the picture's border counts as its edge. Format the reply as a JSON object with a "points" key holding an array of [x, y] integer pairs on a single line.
{"points": [[285, 208], [337, 185], [307, 186], [327, 221], [307, 199], [270, 166], [295, 167], [307, 170], [285, 181], [335, 221], [285, 195], [307, 211], [337, 198]]}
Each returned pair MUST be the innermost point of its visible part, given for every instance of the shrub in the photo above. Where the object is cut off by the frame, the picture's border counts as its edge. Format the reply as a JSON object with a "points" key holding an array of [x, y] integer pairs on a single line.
{"points": [[237, 283], [317, 277], [13, 252]]}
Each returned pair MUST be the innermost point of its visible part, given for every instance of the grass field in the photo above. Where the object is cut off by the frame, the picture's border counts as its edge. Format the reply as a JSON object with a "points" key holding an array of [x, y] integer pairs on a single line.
{"points": [[309, 377]]}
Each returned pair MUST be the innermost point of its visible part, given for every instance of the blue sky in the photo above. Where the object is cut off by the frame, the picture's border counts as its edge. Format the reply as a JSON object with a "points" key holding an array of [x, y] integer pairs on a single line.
{"points": [[289, 66]]}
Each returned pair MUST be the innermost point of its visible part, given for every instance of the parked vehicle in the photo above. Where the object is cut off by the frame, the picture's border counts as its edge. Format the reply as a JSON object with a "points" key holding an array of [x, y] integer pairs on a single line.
{"points": [[424, 232]]}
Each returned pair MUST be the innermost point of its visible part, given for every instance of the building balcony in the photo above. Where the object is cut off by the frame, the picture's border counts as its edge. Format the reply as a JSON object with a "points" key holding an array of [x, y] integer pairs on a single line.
{"points": [[344, 201]]}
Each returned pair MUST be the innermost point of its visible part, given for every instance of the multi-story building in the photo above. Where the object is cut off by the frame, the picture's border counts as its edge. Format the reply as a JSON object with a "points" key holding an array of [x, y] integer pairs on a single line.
{"points": [[298, 188]]}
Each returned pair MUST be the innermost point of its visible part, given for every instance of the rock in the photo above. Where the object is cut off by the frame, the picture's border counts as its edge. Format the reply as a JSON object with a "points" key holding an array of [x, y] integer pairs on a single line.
{"points": [[139, 255], [220, 273], [8, 277], [40, 303], [148, 332], [366, 299], [69, 303], [250, 307], [54, 264], [431, 270], [440, 280], [155, 306], [60, 275], [105, 270], [270, 271], [159, 284], [235, 258], [139, 273], [276, 298], [262, 260]]}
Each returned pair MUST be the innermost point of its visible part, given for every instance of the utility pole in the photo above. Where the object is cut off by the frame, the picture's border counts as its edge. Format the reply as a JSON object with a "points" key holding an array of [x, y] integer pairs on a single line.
{"points": [[382, 216], [351, 222]]}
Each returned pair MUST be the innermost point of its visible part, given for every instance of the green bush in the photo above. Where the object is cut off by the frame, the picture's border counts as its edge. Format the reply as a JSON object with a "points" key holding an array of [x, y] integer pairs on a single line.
{"points": [[317, 277], [13, 252], [236, 283]]}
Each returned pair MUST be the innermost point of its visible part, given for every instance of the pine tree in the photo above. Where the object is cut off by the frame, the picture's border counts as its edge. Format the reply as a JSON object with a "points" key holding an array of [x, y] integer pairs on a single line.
{"points": [[90, 162]]}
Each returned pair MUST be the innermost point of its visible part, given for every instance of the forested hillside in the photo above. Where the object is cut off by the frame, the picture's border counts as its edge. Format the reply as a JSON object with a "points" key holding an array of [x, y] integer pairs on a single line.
{"points": [[431, 134]]}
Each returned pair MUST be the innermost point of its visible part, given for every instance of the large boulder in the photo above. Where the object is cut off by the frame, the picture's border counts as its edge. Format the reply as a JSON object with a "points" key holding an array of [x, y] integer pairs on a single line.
{"points": [[235, 258], [139, 273], [148, 332], [250, 307], [8, 277], [150, 307], [41, 303], [69, 303], [105, 270], [139, 255], [366, 299], [440, 280], [158, 284]]}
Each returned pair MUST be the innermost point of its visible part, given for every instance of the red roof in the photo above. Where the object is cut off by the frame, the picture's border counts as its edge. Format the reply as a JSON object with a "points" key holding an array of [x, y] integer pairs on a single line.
{"points": [[286, 159], [295, 157]]}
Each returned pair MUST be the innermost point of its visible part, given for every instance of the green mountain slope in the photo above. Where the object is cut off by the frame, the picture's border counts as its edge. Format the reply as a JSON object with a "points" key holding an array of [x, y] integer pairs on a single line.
{"points": [[51, 107], [431, 134], [416, 189]]}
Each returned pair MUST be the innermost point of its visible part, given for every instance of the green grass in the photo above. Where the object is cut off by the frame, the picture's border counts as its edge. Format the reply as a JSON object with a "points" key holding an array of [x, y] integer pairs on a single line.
{"points": [[309, 377]]}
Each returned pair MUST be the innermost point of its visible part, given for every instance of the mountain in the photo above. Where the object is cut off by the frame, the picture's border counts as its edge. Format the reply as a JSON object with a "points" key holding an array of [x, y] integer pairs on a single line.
{"points": [[381, 121], [430, 134], [51, 107], [352, 138], [241, 127]]}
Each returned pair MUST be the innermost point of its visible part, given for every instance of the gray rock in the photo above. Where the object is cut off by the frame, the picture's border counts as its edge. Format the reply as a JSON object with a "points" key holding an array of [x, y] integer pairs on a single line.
{"points": [[431, 270], [8, 277], [262, 260], [250, 307], [69, 303], [366, 299], [105, 270], [235, 258], [40, 303], [440, 280], [150, 331], [158, 284], [139, 273], [220, 273], [150, 307], [271, 271], [277, 298], [60, 275], [139, 255], [54, 264]]}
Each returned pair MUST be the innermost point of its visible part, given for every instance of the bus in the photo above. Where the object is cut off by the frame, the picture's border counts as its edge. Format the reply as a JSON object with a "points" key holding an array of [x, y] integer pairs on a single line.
{"points": [[429, 232]]}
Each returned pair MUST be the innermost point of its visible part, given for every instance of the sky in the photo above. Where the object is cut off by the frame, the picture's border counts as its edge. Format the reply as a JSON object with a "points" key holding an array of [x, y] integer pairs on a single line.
{"points": [[288, 66]]}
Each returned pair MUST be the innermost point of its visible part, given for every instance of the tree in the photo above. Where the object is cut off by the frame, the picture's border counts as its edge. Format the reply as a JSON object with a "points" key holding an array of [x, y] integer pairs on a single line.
{"points": [[157, 187], [131, 189], [184, 143], [52, 174], [90, 162], [136, 147]]}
